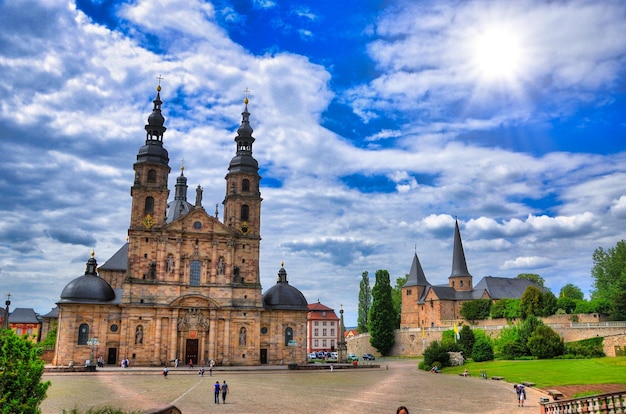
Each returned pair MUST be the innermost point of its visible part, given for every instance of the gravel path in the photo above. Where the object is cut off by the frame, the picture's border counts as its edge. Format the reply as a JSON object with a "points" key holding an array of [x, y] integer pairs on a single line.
{"points": [[259, 390]]}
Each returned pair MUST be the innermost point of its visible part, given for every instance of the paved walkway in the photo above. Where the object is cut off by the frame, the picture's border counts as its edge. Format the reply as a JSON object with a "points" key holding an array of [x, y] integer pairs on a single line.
{"points": [[275, 389]]}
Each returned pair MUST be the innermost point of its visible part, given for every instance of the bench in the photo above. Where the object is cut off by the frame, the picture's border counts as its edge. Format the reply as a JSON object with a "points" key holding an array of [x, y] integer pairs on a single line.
{"points": [[555, 394], [528, 384], [497, 378]]}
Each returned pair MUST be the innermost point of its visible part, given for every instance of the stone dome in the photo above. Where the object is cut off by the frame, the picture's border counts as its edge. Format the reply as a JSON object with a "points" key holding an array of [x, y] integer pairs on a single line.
{"points": [[88, 288], [283, 296]]}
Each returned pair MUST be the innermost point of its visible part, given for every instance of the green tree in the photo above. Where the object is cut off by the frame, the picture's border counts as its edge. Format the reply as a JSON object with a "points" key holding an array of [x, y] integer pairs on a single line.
{"points": [[572, 292], [567, 304], [548, 304], [475, 309], [382, 316], [533, 277], [21, 368], [531, 301], [396, 295], [483, 350], [609, 274], [365, 302], [466, 340], [509, 308], [545, 343], [526, 329]]}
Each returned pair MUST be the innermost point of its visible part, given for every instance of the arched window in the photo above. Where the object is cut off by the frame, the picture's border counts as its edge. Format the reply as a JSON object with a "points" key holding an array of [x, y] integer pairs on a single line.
{"points": [[194, 273], [288, 336], [245, 185], [245, 211], [83, 334], [152, 176], [149, 206]]}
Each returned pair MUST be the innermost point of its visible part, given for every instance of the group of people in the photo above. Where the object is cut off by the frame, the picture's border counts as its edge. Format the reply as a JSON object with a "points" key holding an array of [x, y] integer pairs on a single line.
{"points": [[217, 388]]}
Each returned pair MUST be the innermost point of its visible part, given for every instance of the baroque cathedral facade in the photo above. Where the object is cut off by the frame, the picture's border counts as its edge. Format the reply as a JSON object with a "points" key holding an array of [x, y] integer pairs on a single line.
{"points": [[186, 285]]}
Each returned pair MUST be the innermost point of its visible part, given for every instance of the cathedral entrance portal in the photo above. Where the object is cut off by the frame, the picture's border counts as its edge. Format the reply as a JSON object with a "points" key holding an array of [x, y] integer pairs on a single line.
{"points": [[191, 351], [112, 356]]}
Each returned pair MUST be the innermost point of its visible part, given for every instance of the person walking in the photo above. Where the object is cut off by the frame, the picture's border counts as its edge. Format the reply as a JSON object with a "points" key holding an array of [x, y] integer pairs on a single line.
{"points": [[225, 391], [216, 391], [165, 371]]}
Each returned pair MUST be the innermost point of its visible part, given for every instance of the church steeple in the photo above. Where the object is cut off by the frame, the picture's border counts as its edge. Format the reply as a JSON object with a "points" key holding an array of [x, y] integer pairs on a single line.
{"points": [[149, 191], [242, 204], [460, 278]]}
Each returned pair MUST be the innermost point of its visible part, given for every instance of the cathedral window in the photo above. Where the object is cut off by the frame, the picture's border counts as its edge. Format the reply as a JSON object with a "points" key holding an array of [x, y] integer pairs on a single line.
{"points": [[194, 273], [83, 334], [149, 206], [461, 283], [409, 292], [245, 185], [152, 176], [245, 212], [288, 336]]}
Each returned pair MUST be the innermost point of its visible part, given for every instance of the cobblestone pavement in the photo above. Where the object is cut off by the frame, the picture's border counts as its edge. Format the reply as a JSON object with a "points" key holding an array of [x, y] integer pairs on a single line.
{"points": [[275, 389]]}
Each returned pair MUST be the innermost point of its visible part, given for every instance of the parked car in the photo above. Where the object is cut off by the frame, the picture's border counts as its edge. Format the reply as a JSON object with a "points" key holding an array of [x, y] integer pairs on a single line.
{"points": [[321, 355], [333, 355], [368, 357], [312, 355], [352, 357]]}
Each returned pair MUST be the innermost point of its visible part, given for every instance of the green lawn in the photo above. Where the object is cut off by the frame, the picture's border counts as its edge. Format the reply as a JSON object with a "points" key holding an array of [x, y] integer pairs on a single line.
{"points": [[552, 372]]}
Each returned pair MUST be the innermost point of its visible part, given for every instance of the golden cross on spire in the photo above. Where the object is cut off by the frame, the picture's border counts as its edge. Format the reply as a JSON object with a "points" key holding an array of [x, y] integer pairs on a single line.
{"points": [[160, 78], [182, 164], [247, 92]]}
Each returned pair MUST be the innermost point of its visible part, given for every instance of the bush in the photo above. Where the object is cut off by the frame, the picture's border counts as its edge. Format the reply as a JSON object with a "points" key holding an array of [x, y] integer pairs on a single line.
{"points": [[483, 351], [545, 343], [587, 348], [435, 352], [512, 350]]}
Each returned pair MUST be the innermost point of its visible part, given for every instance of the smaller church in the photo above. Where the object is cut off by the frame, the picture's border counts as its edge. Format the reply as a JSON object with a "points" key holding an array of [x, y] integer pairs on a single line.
{"points": [[186, 286], [426, 306]]}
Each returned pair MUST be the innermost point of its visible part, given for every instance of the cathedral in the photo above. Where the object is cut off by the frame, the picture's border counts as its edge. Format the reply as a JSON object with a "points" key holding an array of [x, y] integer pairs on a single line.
{"points": [[186, 286]]}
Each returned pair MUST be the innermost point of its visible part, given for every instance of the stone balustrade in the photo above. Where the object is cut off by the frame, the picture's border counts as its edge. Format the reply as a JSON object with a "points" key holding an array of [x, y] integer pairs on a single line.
{"points": [[611, 403]]}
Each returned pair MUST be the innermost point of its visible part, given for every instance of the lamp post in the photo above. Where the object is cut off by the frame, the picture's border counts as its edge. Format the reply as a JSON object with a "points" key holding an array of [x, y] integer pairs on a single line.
{"points": [[342, 346], [92, 365], [293, 344], [5, 321]]}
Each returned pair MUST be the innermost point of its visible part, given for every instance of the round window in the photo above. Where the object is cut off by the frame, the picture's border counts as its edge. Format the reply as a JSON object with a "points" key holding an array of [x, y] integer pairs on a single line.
{"points": [[264, 330], [114, 328], [197, 225]]}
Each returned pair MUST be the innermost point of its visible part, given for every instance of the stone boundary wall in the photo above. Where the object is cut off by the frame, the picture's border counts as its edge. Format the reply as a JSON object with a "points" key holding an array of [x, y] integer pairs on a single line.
{"points": [[411, 342]]}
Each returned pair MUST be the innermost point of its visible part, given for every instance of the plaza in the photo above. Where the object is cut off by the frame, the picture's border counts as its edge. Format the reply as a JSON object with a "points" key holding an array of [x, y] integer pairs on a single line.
{"points": [[272, 389]]}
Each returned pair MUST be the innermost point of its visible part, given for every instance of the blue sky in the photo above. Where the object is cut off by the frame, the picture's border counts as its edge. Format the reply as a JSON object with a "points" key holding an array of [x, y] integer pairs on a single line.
{"points": [[376, 124]]}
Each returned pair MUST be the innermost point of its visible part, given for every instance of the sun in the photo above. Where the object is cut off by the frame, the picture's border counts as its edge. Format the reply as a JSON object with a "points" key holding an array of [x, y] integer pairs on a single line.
{"points": [[496, 54]]}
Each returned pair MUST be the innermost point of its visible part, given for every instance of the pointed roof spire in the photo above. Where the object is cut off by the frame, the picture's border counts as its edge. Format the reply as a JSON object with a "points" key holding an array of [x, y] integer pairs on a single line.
{"points": [[243, 160], [459, 266], [416, 275], [153, 150]]}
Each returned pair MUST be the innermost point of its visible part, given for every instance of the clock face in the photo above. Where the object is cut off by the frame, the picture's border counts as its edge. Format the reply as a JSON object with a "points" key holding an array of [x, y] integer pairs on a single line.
{"points": [[148, 222], [244, 227], [197, 225]]}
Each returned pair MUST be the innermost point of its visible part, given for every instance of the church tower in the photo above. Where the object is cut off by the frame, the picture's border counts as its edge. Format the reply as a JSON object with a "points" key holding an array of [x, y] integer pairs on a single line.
{"points": [[460, 278], [242, 203], [149, 192]]}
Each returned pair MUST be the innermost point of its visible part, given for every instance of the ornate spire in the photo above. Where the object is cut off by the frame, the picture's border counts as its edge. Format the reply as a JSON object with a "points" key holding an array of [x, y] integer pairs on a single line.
{"points": [[459, 266], [416, 275], [181, 186], [153, 150], [92, 265], [243, 160]]}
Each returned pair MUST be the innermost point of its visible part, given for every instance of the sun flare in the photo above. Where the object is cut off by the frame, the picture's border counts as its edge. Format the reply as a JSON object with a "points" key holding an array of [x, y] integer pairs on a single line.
{"points": [[497, 55]]}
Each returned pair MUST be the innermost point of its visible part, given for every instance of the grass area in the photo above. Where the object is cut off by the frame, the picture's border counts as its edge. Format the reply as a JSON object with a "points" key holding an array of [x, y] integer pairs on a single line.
{"points": [[552, 372]]}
